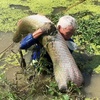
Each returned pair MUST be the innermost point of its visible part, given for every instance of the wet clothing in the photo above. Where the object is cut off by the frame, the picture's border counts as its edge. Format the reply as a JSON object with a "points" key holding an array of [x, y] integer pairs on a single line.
{"points": [[28, 41]]}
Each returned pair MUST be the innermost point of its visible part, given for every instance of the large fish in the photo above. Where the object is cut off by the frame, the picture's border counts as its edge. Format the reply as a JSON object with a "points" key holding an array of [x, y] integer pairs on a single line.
{"points": [[65, 68]]}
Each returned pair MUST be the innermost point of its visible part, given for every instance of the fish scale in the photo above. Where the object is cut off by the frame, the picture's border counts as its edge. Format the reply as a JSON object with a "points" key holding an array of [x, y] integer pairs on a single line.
{"points": [[65, 68]]}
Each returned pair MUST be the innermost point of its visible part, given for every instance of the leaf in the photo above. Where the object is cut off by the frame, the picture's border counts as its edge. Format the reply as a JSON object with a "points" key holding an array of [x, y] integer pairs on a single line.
{"points": [[66, 97]]}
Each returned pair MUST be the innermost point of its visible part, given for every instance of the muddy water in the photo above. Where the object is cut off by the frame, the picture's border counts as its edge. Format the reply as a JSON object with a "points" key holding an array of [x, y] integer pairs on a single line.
{"points": [[6, 41], [92, 83], [15, 76]]}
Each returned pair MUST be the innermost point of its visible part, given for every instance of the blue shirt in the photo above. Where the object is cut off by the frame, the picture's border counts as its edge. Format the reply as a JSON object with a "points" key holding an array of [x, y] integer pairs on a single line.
{"points": [[36, 54]]}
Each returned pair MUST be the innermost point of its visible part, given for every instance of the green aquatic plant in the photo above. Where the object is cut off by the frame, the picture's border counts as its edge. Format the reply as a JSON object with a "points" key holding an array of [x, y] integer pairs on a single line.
{"points": [[11, 11], [86, 37], [97, 70]]}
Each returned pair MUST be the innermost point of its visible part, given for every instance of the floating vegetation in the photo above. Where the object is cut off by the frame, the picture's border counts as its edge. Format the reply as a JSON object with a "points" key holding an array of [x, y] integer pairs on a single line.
{"points": [[87, 38]]}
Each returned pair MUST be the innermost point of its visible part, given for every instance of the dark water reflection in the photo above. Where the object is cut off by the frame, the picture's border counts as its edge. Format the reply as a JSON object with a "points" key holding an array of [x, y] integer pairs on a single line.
{"points": [[91, 86], [58, 9], [96, 2], [21, 7], [13, 6]]}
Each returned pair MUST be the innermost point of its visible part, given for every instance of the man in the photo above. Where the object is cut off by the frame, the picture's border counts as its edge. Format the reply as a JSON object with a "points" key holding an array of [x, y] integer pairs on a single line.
{"points": [[66, 26]]}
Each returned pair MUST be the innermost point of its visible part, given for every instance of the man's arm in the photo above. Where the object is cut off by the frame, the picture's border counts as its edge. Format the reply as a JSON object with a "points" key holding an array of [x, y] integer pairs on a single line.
{"points": [[31, 39]]}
